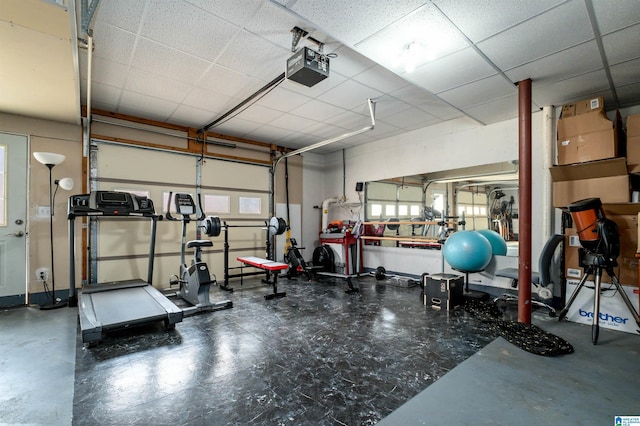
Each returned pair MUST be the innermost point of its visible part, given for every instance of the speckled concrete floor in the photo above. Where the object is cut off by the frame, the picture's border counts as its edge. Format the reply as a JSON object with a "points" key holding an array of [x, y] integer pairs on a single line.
{"points": [[318, 356]]}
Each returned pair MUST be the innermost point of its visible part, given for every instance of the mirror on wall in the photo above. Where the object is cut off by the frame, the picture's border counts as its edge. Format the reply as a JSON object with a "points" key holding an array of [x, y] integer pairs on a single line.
{"points": [[420, 211]]}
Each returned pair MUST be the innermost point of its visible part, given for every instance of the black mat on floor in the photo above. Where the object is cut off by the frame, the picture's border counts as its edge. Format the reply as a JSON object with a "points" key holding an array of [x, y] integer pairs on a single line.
{"points": [[317, 357]]}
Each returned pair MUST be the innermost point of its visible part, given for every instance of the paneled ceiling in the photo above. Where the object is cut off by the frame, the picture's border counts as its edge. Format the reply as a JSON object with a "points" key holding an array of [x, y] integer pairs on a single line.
{"points": [[189, 62]]}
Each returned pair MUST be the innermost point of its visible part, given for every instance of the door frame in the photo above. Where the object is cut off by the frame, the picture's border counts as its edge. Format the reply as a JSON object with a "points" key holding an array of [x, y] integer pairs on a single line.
{"points": [[20, 299]]}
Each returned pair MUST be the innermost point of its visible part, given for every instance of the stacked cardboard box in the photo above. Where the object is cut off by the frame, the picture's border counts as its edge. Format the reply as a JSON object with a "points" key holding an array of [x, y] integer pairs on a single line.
{"points": [[633, 143], [604, 179], [585, 133]]}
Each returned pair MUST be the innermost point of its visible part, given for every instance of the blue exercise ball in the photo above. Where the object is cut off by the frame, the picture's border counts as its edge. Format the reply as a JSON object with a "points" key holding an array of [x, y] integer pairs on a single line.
{"points": [[498, 244], [467, 251]]}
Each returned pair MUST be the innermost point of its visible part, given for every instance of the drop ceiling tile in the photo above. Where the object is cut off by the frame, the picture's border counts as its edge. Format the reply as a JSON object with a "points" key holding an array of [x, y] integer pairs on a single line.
{"points": [[622, 45], [349, 94], [350, 121], [432, 35], [112, 43], [349, 62], [189, 116], [125, 14], [324, 131], [454, 70], [441, 110], [570, 62], [283, 100], [106, 72], [156, 58], [478, 92], [157, 86], [629, 95], [292, 123], [259, 114], [235, 127], [563, 27], [496, 16], [571, 89], [381, 79], [319, 111], [496, 110], [187, 28], [388, 105], [237, 12], [154, 108], [104, 93], [412, 119], [269, 134], [253, 56], [615, 16], [209, 101], [413, 95], [353, 21], [229, 82], [626, 73]]}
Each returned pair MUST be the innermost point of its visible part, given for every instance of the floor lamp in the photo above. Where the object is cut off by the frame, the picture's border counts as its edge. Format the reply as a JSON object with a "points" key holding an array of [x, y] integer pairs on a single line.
{"points": [[51, 160]]}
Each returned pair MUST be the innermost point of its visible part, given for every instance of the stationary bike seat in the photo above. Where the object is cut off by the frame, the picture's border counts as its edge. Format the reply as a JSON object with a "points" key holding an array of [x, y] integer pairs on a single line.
{"points": [[199, 243]]}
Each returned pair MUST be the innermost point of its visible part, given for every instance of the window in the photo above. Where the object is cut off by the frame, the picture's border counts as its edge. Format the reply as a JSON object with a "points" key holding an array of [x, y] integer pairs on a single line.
{"points": [[376, 210], [403, 210], [415, 210], [217, 204], [249, 205], [390, 210]]}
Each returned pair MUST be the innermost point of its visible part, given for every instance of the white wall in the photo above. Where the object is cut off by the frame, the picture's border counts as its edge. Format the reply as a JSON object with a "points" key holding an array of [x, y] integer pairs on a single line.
{"points": [[313, 193], [450, 145]]}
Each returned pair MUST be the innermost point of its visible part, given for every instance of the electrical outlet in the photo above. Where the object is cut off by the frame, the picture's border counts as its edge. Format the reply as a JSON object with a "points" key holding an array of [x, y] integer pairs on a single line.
{"points": [[42, 274]]}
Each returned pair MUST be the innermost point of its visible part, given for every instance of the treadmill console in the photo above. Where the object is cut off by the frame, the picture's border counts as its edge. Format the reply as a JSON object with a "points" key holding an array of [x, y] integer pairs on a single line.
{"points": [[110, 203]]}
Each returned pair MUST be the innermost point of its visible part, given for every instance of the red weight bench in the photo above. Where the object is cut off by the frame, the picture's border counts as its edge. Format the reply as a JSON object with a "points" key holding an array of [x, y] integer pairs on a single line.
{"points": [[267, 265]]}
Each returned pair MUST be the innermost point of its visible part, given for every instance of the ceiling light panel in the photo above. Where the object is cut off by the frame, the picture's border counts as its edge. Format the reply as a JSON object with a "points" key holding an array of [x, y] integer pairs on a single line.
{"points": [[422, 36]]}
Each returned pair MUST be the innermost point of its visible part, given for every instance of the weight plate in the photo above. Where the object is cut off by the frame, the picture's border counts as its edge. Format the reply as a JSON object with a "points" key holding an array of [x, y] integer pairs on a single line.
{"points": [[323, 257], [212, 226], [274, 224], [391, 226]]}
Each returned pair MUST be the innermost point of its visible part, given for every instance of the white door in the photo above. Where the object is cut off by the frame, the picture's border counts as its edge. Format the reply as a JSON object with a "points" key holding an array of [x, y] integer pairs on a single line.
{"points": [[13, 217]]}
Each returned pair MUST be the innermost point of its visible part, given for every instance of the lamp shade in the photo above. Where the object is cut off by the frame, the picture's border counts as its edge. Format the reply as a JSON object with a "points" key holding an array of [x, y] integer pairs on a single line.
{"points": [[65, 183], [49, 158]]}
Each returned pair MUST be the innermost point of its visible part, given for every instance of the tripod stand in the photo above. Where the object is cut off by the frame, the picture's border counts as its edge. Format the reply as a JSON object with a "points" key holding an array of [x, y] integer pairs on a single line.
{"points": [[594, 264]]}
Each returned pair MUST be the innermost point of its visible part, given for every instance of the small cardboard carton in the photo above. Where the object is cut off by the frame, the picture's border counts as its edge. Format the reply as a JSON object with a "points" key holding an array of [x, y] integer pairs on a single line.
{"points": [[583, 106], [633, 143], [604, 179]]}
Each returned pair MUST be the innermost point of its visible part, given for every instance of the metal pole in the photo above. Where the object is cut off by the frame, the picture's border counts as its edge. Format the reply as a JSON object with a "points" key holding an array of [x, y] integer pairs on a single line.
{"points": [[524, 186]]}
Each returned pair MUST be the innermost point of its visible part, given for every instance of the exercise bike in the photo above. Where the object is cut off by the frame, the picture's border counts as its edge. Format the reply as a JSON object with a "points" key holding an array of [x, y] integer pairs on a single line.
{"points": [[194, 279]]}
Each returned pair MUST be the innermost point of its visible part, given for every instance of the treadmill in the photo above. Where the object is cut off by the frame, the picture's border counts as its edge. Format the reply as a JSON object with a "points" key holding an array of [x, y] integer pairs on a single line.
{"points": [[117, 305]]}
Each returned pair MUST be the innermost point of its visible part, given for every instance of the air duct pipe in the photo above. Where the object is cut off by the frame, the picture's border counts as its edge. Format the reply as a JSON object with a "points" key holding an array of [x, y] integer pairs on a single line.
{"points": [[325, 211]]}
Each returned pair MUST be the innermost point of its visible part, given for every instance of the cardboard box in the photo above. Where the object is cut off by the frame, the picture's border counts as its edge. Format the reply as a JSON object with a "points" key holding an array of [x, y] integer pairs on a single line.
{"points": [[588, 147], [582, 107], [633, 143], [633, 126], [633, 153], [590, 122], [604, 179], [626, 216]]}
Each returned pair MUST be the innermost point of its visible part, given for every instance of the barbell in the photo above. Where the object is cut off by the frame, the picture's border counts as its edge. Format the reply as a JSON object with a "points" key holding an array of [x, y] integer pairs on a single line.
{"points": [[212, 226]]}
